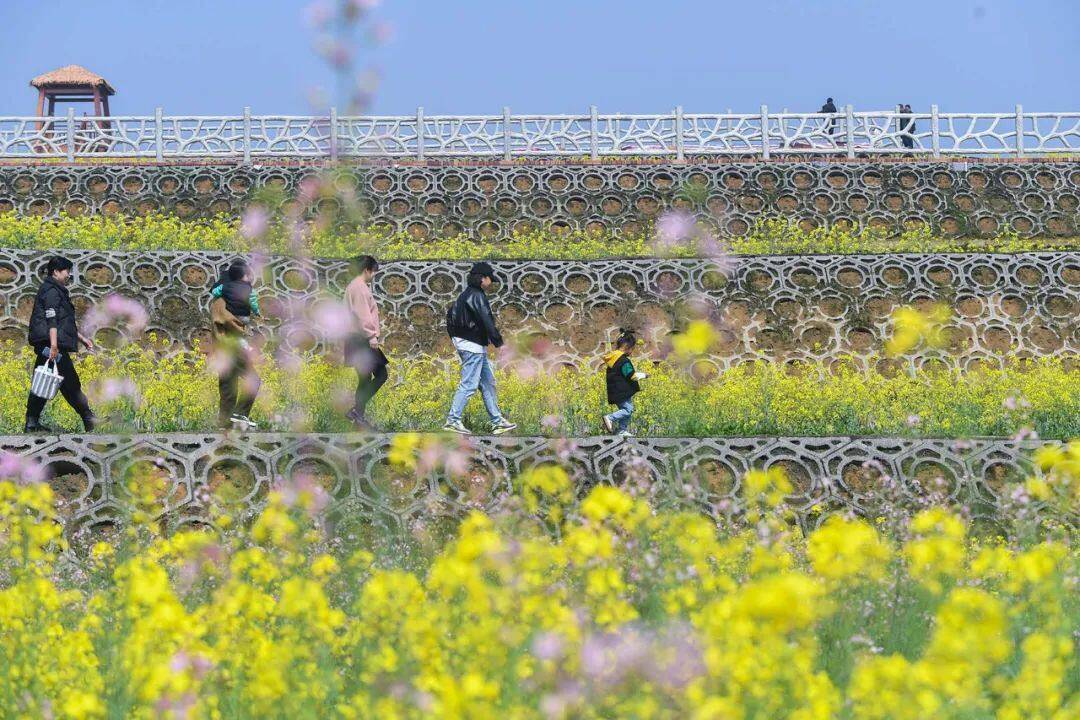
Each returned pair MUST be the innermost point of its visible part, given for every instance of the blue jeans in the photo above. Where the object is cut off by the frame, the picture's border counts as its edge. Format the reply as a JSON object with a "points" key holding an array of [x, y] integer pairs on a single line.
{"points": [[475, 373], [621, 417]]}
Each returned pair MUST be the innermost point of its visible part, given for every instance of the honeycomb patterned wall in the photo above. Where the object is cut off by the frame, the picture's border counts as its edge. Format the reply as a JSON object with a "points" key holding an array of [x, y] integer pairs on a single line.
{"points": [[366, 494], [983, 198], [780, 307]]}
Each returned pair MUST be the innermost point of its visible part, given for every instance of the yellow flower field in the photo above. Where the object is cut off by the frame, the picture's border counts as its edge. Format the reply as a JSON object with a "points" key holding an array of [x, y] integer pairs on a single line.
{"points": [[134, 390], [769, 237], [607, 608]]}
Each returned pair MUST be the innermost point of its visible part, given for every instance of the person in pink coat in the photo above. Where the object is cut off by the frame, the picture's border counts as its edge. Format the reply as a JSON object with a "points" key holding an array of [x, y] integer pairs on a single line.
{"points": [[363, 349]]}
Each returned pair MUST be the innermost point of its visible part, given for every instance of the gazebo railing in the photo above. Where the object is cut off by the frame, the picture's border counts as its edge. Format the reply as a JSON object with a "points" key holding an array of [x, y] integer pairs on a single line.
{"points": [[764, 134]]}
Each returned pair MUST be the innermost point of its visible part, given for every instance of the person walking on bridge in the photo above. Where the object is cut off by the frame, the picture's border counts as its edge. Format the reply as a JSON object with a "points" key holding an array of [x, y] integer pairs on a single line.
{"points": [[830, 108], [907, 127]]}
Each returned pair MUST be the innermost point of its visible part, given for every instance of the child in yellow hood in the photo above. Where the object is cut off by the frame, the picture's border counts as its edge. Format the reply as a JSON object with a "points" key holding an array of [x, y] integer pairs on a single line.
{"points": [[622, 383]]}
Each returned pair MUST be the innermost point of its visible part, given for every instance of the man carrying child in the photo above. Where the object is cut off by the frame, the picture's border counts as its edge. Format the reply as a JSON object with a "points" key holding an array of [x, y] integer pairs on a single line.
{"points": [[231, 310]]}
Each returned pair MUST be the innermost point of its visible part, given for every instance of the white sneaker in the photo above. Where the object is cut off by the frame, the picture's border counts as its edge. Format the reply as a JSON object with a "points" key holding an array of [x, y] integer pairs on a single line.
{"points": [[608, 425], [503, 426], [458, 427], [243, 422], [626, 434]]}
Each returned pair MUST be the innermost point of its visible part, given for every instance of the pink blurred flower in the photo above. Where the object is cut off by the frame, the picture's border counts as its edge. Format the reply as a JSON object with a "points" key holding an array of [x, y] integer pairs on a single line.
{"points": [[557, 705], [547, 646], [368, 81], [540, 346], [178, 663], [1025, 433], [180, 707], [564, 448], [218, 361], [116, 388], [528, 369], [335, 52], [594, 656], [309, 190], [255, 222], [258, 261], [550, 422], [457, 462], [115, 308], [673, 228], [678, 229], [381, 32], [303, 485], [333, 320], [20, 469], [507, 354], [183, 661], [289, 361], [913, 421], [318, 98], [319, 13], [250, 382], [429, 457]]}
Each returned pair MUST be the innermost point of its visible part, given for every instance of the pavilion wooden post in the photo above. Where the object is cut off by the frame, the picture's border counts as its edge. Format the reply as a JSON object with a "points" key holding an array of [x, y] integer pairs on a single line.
{"points": [[71, 134], [41, 107]]}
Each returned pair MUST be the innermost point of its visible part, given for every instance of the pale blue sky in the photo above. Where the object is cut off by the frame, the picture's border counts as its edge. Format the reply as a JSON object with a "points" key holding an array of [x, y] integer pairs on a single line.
{"points": [[474, 56]]}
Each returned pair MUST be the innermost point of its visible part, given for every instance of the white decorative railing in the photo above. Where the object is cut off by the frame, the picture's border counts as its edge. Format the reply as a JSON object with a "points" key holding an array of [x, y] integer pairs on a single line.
{"points": [[764, 134]]}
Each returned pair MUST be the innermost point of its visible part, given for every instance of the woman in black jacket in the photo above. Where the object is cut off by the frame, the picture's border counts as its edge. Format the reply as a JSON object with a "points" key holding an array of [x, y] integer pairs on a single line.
{"points": [[471, 326], [54, 336]]}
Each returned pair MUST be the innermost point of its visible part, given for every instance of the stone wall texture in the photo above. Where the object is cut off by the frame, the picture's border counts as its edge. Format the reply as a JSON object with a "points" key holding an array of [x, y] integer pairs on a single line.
{"points": [[491, 201], [199, 472], [818, 307]]}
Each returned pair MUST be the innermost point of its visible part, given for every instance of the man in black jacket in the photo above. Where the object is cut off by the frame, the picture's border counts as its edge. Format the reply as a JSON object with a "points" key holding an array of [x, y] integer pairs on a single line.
{"points": [[830, 108], [471, 326], [907, 127], [54, 336]]}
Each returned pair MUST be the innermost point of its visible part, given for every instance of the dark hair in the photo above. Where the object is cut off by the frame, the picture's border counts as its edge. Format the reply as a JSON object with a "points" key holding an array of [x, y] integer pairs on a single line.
{"points": [[57, 263], [361, 263], [627, 338], [473, 279], [828, 100], [237, 270]]}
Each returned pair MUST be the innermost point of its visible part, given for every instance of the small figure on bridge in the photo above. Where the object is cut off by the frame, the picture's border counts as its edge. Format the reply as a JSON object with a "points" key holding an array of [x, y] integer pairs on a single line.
{"points": [[829, 107], [907, 127]]}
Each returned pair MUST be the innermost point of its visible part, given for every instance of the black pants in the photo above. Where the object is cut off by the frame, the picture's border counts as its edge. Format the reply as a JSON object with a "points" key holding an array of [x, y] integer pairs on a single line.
{"points": [[370, 365], [70, 388], [366, 387], [238, 386]]}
